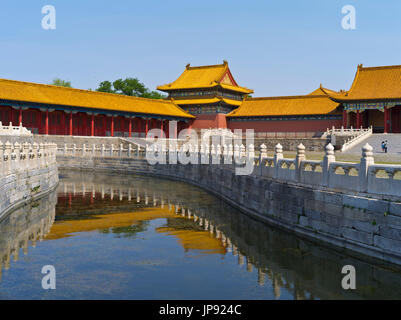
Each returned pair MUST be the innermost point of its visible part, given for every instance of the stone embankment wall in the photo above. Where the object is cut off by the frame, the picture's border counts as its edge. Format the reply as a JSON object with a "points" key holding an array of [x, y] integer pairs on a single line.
{"points": [[27, 172], [342, 204]]}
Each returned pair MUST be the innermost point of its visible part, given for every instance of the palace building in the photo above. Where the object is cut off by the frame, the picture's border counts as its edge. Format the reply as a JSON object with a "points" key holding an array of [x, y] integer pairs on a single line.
{"points": [[314, 112], [207, 92], [373, 100], [48, 109], [205, 97]]}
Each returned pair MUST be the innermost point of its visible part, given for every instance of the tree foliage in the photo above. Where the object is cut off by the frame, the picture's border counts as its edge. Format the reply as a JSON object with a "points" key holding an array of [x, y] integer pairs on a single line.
{"points": [[61, 83], [129, 87]]}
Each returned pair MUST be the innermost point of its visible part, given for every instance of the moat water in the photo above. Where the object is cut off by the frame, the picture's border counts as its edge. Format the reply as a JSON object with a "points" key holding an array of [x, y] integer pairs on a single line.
{"points": [[137, 237]]}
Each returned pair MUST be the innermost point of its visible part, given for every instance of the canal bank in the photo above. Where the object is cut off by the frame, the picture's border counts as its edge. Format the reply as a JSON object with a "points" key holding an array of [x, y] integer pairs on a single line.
{"points": [[344, 220], [27, 173]]}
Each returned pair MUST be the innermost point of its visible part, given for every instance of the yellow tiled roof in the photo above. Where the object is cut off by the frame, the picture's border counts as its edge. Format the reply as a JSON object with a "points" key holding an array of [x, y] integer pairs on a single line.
{"points": [[203, 77], [207, 101], [373, 83], [285, 106], [320, 92], [54, 95]]}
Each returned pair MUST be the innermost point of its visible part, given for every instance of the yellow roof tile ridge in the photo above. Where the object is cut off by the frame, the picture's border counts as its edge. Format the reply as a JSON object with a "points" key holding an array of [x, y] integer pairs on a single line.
{"points": [[379, 67], [83, 90], [287, 97], [188, 66], [359, 68]]}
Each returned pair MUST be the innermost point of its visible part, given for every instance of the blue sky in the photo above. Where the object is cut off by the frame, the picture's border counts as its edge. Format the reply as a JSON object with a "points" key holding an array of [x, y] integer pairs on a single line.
{"points": [[274, 47]]}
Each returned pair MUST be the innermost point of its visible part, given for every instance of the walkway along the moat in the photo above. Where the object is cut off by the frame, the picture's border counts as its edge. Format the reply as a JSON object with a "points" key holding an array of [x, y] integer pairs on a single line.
{"points": [[349, 205]]}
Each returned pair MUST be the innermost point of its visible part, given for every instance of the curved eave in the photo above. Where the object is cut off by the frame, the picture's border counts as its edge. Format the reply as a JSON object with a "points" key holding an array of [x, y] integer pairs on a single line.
{"points": [[279, 115], [208, 101], [97, 110], [168, 89]]}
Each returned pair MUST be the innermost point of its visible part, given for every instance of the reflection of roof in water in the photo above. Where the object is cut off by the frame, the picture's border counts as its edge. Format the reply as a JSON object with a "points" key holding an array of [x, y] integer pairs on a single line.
{"points": [[189, 239], [63, 229], [195, 240]]}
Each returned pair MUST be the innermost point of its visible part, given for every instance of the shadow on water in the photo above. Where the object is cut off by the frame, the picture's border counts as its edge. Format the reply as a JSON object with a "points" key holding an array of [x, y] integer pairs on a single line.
{"points": [[166, 237]]}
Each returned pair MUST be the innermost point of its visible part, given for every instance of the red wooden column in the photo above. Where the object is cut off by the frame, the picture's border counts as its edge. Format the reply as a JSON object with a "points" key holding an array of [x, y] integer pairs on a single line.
{"points": [[71, 123], [20, 116], [345, 119], [146, 127], [130, 127], [47, 122], [92, 124], [386, 120], [161, 126], [112, 126]]}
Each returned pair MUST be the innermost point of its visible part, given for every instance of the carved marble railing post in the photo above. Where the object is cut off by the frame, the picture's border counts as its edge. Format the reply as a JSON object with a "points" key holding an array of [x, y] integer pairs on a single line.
{"points": [[65, 149], [230, 154], [366, 161], [278, 155], [111, 150], [48, 153], [328, 158], [83, 149], [15, 153], [262, 155], [41, 157], [298, 160], [129, 150], [102, 150], [35, 154], [93, 149], [74, 149], [26, 159], [17, 160], [7, 158], [120, 150], [236, 154]]}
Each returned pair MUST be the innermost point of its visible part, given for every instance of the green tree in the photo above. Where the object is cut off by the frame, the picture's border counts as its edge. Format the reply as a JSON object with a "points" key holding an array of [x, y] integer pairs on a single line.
{"points": [[129, 87], [105, 86], [61, 83]]}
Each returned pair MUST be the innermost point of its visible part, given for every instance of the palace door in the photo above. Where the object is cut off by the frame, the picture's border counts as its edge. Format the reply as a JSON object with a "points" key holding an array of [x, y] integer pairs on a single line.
{"points": [[396, 119]]}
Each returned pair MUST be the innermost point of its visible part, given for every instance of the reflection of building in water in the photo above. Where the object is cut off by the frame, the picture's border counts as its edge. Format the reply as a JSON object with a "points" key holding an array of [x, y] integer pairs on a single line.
{"points": [[291, 265], [25, 225]]}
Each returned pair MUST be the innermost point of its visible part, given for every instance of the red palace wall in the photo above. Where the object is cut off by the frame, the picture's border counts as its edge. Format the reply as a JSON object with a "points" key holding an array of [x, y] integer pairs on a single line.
{"points": [[285, 125], [206, 121]]}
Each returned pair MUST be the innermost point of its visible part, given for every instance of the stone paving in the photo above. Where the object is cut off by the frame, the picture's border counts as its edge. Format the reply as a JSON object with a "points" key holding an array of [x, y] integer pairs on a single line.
{"points": [[375, 140]]}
